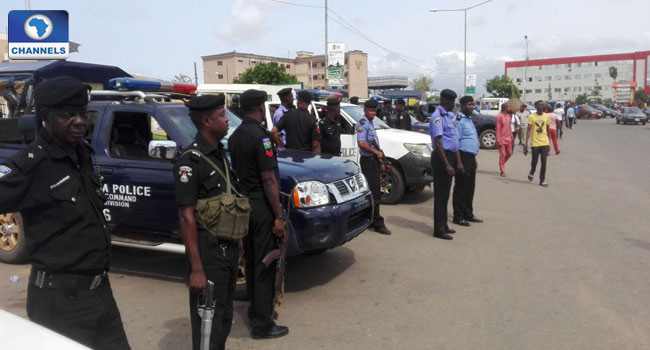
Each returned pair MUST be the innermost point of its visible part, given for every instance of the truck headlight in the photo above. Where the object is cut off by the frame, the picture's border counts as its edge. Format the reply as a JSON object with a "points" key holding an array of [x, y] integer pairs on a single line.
{"points": [[419, 149], [310, 194]]}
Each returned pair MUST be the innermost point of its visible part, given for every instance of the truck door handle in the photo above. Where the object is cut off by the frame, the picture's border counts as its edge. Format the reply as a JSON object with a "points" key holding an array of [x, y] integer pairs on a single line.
{"points": [[105, 171]]}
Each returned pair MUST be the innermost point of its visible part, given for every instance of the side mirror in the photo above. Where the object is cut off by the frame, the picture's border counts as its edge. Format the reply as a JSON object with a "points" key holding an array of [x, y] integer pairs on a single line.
{"points": [[162, 149]]}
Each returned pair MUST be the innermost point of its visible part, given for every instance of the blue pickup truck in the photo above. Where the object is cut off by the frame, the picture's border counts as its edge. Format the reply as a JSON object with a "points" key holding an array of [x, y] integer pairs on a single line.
{"points": [[136, 135]]}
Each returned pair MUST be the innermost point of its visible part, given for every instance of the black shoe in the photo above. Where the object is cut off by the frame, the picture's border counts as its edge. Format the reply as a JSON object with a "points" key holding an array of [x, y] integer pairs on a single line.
{"points": [[475, 219], [449, 230], [383, 230], [274, 331], [443, 236], [462, 222]]}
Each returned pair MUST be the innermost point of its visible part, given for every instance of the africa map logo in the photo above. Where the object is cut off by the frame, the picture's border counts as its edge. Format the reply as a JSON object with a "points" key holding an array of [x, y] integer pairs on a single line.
{"points": [[37, 35], [38, 27]]}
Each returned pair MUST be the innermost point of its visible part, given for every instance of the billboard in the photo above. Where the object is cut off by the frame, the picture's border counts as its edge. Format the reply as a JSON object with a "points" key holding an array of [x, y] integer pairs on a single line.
{"points": [[335, 64], [470, 84]]}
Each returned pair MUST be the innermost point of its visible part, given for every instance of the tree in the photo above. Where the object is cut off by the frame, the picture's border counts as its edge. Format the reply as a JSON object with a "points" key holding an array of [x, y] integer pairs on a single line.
{"points": [[582, 98], [613, 72], [640, 95], [502, 86], [422, 83], [182, 78], [266, 73]]}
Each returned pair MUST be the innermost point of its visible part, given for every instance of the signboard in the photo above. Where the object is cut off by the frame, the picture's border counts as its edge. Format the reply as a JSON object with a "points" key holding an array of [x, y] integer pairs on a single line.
{"points": [[470, 84], [335, 64], [38, 35]]}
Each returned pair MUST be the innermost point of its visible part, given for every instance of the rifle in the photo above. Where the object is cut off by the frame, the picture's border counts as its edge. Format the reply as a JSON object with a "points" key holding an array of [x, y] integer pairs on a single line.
{"points": [[384, 163], [206, 312], [279, 255]]}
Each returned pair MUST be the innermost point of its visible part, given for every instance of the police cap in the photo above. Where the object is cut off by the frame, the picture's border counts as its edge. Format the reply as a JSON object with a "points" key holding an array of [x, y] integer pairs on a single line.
{"points": [[466, 98], [333, 102], [304, 96], [252, 98], [388, 101], [400, 101], [371, 104], [448, 94], [284, 92], [206, 103], [354, 100], [62, 92]]}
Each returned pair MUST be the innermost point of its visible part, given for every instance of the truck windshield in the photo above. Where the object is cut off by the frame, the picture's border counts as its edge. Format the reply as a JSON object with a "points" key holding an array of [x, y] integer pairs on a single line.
{"points": [[356, 113], [180, 118]]}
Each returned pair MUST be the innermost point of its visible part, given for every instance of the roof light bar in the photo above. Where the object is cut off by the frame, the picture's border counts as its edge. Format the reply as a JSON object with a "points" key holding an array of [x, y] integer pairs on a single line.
{"points": [[129, 84]]}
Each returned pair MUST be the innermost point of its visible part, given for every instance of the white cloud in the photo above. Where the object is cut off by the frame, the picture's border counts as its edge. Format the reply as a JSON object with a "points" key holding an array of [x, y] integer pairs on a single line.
{"points": [[246, 22]]}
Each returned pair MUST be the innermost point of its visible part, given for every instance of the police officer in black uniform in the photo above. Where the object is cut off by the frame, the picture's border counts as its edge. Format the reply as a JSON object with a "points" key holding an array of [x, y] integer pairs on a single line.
{"points": [[301, 128], [386, 110], [354, 100], [208, 258], [330, 128], [54, 184], [402, 118], [254, 159]]}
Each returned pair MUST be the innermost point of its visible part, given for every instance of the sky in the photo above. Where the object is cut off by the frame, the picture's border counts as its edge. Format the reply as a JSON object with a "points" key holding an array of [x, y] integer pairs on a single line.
{"points": [[164, 38]]}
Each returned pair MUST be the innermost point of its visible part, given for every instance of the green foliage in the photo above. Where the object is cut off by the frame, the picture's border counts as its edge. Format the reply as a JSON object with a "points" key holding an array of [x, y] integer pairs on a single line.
{"points": [[433, 98], [422, 83], [266, 73], [502, 86], [582, 98], [613, 72], [640, 95]]}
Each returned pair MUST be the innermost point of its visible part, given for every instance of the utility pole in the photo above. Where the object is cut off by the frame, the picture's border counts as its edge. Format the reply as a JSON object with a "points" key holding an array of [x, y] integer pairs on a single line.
{"points": [[526, 68], [196, 76], [326, 65]]}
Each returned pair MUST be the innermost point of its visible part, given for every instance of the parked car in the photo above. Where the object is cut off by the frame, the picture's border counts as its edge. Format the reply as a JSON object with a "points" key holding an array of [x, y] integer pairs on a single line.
{"points": [[20, 334], [484, 127], [608, 112], [631, 115], [588, 112]]}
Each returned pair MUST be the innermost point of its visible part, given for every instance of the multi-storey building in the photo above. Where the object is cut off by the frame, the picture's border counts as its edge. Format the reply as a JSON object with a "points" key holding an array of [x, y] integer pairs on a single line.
{"points": [[566, 78], [308, 68]]}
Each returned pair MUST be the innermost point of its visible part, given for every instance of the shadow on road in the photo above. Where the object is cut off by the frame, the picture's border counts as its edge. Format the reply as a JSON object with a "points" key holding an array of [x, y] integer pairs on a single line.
{"points": [[148, 264], [411, 225], [179, 335], [417, 197], [307, 271]]}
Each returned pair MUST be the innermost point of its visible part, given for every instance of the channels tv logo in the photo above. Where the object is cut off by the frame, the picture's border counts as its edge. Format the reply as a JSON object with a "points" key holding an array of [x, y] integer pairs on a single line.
{"points": [[35, 35]]}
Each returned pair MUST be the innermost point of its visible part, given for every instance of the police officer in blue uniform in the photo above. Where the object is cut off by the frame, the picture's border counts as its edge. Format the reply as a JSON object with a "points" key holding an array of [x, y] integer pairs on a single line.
{"points": [[445, 160], [468, 146], [54, 183], [371, 158]]}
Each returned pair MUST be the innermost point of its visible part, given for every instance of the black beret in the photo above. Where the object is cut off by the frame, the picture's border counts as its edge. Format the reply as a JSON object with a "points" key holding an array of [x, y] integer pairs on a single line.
{"points": [[388, 101], [304, 96], [284, 92], [62, 92], [449, 94], [371, 104], [354, 99], [333, 102], [400, 101], [252, 98], [466, 98], [206, 103]]}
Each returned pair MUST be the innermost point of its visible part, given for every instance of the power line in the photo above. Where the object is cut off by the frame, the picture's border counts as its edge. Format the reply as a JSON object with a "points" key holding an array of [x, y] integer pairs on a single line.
{"points": [[295, 4]]}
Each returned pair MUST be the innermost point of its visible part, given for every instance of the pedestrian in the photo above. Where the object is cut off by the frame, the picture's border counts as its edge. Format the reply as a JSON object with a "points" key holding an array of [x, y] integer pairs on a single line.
{"points": [[403, 118], [302, 129], [468, 146], [559, 111], [255, 161], [538, 126], [502, 124], [330, 127], [196, 179], [354, 100], [445, 160], [552, 130], [371, 160], [523, 123], [570, 116], [54, 183], [286, 104], [514, 128]]}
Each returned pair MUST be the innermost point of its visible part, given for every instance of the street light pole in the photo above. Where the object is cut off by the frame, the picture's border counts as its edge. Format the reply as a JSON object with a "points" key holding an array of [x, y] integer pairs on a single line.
{"points": [[526, 68]]}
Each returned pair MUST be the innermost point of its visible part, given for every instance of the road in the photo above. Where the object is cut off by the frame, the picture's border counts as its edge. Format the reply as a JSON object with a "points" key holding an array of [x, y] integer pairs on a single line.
{"points": [[563, 267]]}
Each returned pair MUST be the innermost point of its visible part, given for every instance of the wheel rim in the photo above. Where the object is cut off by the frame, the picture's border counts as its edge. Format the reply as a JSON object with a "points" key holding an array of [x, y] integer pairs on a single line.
{"points": [[10, 232], [489, 140], [386, 183]]}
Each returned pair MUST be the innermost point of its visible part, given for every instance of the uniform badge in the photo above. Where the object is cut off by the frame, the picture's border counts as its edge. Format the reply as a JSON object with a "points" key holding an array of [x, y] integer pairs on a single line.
{"points": [[4, 170], [268, 147], [185, 172], [437, 121], [360, 129]]}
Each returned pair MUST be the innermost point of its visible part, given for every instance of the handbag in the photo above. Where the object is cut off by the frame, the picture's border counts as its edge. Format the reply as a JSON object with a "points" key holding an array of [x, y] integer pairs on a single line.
{"points": [[225, 215]]}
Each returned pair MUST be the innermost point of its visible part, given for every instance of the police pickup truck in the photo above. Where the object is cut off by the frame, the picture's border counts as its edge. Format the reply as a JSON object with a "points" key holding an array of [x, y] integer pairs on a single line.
{"points": [[136, 135]]}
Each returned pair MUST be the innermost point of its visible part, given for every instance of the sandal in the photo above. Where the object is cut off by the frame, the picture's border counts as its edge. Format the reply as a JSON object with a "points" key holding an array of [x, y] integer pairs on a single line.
{"points": [[543, 184], [530, 177]]}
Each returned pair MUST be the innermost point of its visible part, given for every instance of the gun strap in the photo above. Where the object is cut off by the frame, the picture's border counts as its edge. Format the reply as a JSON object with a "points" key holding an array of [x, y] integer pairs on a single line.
{"points": [[225, 176]]}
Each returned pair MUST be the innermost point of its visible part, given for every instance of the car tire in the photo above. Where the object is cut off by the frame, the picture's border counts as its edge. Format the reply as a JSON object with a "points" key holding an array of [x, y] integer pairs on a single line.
{"points": [[642, 123], [392, 186], [13, 248], [618, 121], [488, 139]]}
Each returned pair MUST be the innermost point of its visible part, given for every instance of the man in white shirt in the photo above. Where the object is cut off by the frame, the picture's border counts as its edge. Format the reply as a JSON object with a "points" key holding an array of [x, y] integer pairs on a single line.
{"points": [[560, 117], [523, 122]]}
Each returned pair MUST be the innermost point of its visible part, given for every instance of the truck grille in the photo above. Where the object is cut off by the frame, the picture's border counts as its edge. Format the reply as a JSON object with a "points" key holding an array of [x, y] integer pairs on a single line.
{"points": [[349, 188], [340, 185]]}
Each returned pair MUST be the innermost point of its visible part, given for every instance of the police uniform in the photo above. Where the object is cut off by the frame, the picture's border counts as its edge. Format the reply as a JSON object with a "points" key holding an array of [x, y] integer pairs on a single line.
{"points": [[370, 165], [253, 152], [301, 127], [403, 119], [58, 195], [386, 111], [279, 113], [195, 179], [331, 132], [442, 124]]}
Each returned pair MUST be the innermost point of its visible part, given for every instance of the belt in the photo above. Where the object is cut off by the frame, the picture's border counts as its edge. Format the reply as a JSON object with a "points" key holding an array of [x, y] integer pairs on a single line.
{"points": [[66, 281]]}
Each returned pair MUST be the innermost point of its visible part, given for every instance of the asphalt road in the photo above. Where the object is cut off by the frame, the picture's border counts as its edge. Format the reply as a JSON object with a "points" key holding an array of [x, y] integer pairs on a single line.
{"points": [[563, 267]]}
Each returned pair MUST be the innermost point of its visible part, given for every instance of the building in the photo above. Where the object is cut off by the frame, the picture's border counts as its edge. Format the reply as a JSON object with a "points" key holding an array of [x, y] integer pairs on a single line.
{"points": [[567, 77], [4, 47], [308, 68], [388, 82]]}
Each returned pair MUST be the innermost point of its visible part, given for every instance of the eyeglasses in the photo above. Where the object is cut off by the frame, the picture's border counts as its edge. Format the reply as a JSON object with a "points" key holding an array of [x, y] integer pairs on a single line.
{"points": [[67, 115]]}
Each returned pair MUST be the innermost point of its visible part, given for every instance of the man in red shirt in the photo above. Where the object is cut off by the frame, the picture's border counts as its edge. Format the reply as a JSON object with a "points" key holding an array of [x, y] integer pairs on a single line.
{"points": [[504, 137]]}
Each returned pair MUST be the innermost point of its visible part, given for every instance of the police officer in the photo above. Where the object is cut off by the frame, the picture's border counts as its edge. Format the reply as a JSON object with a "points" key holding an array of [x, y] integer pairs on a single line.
{"points": [[354, 100], [386, 111], [255, 161], [330, 128], [371, 158], [302, 129], [468, 147], [445, 160], [209, 258], [402, 118], [286, 104], [54, 184]]}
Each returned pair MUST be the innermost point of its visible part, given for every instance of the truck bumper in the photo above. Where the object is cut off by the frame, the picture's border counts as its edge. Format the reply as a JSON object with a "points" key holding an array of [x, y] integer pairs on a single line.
{"points": [[417, 170], [328, 226]]}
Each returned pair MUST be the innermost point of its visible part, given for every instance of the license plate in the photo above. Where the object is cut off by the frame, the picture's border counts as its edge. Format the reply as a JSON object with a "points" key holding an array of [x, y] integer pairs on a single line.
{"points": [[636, 119]]}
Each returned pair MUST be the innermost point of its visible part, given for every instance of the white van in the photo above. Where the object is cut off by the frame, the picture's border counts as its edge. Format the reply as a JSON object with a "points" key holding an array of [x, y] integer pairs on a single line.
{"points": [[492, 105]]}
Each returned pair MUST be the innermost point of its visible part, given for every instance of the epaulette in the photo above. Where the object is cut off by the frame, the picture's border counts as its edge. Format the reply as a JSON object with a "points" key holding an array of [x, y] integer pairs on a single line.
{"points": [[29, 157], [192, 154]]}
